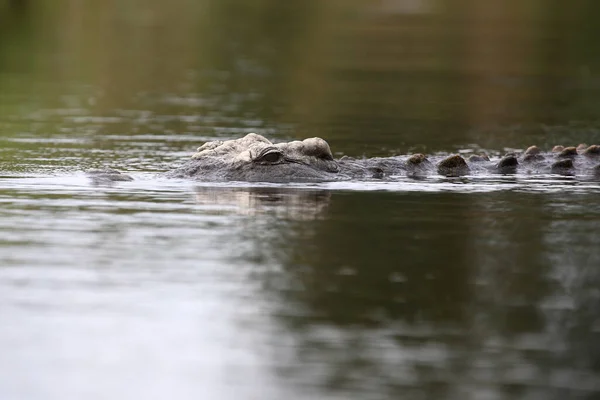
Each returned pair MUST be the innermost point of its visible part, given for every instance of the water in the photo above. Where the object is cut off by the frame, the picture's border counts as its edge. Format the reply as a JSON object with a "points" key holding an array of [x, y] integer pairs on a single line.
{"points": [[483, 287]]}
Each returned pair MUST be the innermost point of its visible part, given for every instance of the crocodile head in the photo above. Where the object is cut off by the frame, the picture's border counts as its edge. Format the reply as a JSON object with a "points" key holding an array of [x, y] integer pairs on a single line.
{"points": [[254, 158]]}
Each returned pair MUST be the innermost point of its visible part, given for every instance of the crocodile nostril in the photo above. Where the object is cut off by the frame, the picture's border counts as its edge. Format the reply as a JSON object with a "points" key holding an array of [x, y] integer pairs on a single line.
{"points": [[332, 166], [377, 172]]}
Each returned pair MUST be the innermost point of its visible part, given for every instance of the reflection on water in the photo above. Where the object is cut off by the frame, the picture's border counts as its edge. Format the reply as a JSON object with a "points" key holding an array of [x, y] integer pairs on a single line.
{"points": [[288, 203], [166, 288], [373, 77], [482, 287], [435, 297]]}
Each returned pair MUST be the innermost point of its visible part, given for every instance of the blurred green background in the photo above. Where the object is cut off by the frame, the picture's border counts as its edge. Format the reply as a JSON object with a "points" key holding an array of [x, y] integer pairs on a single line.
{"points": [[373, 76], [456, 289]]}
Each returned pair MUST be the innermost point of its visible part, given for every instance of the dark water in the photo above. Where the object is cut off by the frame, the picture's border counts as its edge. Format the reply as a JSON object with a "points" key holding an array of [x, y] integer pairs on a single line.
{"points": [[473, 288]]}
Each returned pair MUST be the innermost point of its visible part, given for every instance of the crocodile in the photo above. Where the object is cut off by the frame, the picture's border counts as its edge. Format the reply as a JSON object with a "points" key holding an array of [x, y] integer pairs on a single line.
{"points": [[254, 158]]}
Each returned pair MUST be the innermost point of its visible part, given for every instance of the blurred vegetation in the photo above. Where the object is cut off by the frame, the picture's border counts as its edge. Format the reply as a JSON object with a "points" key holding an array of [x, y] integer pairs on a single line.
{"points": [[374, 76]]}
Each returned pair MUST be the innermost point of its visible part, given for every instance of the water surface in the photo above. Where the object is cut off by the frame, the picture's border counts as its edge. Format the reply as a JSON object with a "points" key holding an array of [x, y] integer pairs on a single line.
{"points": [[482, 287]]}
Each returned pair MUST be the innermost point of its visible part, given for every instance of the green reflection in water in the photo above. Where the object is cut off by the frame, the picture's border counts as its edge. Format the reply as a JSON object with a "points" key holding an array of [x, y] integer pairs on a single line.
{"points": [[370, 77], [438, 294]]}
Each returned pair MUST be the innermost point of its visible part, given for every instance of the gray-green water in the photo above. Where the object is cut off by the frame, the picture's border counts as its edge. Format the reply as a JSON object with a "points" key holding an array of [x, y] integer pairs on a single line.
{"points": [[475, 288]]}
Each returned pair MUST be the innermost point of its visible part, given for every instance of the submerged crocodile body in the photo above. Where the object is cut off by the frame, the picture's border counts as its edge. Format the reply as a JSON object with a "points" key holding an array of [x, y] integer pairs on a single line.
{"points": [[253, 158]]}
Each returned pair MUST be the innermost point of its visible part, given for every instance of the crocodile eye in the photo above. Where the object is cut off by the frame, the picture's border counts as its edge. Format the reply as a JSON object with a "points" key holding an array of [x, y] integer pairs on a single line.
{"points": [[271, 157]]}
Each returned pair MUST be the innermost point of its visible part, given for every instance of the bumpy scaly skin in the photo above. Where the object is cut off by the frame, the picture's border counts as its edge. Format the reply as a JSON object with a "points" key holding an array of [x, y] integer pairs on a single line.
{"points": [[254, 158]]}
